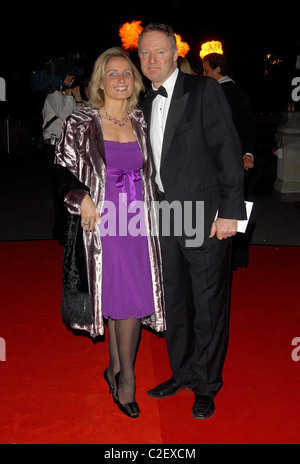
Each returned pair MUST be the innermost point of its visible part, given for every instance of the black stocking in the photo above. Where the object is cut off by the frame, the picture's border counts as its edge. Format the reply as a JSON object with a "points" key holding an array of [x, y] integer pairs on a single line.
{"points": [[124, 337], [114, 363]]}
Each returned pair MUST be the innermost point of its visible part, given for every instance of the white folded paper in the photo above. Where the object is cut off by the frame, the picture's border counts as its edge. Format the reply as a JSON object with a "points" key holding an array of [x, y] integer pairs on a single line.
{"points": [[242, 225]]}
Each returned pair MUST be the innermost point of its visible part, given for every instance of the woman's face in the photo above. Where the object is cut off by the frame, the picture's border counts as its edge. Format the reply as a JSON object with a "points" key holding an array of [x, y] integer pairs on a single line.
{"points": [[117, 82]]}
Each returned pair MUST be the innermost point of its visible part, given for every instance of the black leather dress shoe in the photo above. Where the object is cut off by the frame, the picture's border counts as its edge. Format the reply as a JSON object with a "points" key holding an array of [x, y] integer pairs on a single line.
{"points": [[168, 388], [204, 407]]}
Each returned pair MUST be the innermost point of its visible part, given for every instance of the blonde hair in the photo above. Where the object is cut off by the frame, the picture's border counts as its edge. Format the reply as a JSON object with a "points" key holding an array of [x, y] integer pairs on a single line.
{"points": [[97, 95], [184, 66]]}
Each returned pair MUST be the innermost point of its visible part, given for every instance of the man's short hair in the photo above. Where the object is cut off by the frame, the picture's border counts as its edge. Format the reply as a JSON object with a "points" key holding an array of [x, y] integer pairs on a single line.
{"points": [[217, 60], [165, 29]]}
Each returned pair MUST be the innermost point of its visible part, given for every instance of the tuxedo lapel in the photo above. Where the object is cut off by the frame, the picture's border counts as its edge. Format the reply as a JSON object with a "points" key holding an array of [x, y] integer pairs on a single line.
{"points": [[177, 106], [146, 107]]}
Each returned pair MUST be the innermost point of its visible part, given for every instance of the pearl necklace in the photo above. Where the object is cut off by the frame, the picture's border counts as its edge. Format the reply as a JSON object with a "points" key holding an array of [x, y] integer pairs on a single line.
{"points": [[119, 122]]}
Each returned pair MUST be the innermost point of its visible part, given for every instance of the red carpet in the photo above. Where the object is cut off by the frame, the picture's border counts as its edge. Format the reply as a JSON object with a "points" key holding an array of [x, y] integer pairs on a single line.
{"points": [[52, 387]]}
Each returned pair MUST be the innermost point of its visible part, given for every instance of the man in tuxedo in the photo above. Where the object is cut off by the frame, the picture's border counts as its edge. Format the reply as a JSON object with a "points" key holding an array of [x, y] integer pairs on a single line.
{"points": [[216, 66], [196, 158]]}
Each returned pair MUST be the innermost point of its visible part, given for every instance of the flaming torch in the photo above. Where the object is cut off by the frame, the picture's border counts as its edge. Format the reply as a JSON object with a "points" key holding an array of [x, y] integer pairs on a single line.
{"points": [[211, 47], [183, 47], [129, 33]]}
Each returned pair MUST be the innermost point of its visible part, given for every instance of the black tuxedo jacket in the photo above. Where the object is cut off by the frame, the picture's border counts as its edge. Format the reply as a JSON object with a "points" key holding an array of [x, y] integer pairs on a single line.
{"points": [[201, 153]]}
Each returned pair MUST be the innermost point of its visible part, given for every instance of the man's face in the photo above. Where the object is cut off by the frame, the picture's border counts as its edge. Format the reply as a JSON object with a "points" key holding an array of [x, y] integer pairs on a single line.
{"points": [[157, 58], [210, 72]]}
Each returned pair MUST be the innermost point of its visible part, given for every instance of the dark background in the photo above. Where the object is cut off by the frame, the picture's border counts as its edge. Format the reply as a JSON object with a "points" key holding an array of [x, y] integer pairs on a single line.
{"points": [[33, 34]]}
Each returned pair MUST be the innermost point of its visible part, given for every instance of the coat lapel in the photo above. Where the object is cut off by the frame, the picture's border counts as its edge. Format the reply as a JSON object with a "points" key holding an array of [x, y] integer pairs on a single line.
{"points": [[146, 107], [177, 106]]}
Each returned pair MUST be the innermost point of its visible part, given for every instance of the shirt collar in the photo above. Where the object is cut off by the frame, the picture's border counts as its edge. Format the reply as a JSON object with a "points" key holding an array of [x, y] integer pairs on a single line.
{"points": [[224, 79], [170, 82]]}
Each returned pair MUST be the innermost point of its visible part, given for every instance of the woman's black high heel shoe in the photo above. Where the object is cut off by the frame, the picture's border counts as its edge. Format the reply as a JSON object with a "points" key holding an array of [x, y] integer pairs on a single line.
{"points": [[131, 410], [111, 387]]}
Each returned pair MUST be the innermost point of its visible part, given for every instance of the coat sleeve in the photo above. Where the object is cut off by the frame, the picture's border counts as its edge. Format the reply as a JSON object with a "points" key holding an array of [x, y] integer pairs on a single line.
{"points": [[66, 169], [224, 144]]}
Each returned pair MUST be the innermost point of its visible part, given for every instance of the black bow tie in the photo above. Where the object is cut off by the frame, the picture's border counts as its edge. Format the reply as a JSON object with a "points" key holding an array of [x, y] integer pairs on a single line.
{"points": [[161, 91]]}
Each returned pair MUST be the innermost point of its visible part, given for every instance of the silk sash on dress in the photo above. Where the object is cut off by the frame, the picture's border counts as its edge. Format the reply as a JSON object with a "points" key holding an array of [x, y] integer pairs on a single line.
{"points": [[133, 175]]}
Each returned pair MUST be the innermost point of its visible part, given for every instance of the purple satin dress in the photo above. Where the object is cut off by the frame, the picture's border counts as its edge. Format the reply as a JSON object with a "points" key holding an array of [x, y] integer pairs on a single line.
{"points": [[126, 279]]}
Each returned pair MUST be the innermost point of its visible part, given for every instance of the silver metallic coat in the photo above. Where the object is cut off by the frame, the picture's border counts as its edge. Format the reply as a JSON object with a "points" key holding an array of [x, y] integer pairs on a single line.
{"points": [[81, 150]]}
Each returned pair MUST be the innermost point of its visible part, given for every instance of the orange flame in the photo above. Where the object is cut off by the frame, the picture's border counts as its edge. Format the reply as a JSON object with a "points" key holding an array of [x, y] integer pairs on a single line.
{"points": [[211, 47], [129, 33], [183, 47]]}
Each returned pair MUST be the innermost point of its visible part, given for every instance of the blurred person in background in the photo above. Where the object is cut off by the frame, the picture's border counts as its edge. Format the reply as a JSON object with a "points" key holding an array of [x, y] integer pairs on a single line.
{"points": [[216, 66], [58, 105]]}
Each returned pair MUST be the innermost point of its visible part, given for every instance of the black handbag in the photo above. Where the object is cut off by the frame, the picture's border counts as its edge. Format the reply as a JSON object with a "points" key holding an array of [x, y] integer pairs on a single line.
{"points": [[76, 306]]}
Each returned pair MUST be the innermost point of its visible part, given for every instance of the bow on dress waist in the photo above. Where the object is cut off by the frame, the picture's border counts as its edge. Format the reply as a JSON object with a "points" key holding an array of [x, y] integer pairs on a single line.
{"points": [[133, 175]]}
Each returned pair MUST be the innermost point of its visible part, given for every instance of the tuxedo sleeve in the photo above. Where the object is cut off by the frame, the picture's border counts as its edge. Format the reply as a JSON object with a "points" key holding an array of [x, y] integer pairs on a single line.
{"points": [[224, 144]]}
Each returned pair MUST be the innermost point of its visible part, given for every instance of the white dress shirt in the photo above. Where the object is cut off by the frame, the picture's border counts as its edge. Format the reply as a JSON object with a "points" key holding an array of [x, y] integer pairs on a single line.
{"points": [[159, 114]]}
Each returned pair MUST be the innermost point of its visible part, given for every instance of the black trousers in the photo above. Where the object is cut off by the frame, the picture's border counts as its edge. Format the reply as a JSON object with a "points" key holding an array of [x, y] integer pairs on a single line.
{"points": [[197, 285]]}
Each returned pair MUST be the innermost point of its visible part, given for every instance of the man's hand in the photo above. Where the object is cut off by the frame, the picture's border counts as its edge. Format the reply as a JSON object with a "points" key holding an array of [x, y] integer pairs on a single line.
{"points": [[76, 93], [69, 80], [248, 162], [223, 228]]}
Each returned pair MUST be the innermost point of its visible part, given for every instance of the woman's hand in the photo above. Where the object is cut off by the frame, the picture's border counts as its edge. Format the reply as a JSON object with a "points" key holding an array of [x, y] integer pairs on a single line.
{"points": [[89, 214]]}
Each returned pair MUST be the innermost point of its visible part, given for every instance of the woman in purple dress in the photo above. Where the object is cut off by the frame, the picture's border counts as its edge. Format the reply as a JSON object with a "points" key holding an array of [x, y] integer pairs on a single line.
{"points": [[104, 175]]}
